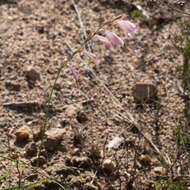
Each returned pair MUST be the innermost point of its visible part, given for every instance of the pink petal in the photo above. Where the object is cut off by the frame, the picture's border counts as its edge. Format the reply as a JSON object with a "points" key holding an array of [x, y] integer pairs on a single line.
{"points": [[127, 27], [116, 40], [73, 72], [89, 54], [105, 41]]}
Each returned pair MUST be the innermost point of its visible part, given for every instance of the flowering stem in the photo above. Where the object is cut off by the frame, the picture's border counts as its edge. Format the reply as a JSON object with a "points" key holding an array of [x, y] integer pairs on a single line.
{"points": [[64, 64], [90, 36], [58, 74]]}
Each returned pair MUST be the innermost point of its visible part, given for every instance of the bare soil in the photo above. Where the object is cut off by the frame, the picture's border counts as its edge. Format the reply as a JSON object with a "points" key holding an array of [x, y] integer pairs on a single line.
{"points": [[36, 35]]}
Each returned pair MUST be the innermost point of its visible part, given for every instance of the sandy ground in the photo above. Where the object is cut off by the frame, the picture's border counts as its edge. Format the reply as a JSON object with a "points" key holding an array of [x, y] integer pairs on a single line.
{"points": [[86, 116]]}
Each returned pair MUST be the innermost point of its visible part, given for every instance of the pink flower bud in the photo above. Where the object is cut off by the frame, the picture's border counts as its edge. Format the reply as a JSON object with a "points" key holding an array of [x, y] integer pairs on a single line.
{"points": [[105, 41], [89, 54], [127, 27], [116, 40], [73, 72]]}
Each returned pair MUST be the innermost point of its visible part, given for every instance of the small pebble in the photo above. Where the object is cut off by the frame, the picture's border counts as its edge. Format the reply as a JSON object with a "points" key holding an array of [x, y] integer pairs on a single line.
{"points": [[160, 170], [22, 134], [109, 165], [145, 159], [53, 138]]}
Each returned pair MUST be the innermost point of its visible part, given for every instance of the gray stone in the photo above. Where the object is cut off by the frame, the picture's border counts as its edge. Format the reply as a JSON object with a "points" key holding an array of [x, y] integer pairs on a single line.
{"points": [[144, 91], [53, 138]]}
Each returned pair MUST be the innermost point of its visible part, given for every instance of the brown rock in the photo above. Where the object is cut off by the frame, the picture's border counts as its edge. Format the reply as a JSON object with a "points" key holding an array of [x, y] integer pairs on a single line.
{"points": [[53, 138], [109, 165], [144, 91], [32, 74], [22, 134], [145, 159]]}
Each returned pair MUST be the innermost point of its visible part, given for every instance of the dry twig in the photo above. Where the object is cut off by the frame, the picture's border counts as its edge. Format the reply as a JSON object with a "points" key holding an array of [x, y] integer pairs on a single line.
{"points": [[81, 24], [20, 104]]}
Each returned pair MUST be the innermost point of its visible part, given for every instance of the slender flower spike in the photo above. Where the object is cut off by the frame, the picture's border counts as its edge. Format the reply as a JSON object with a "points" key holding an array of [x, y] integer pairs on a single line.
{"points": [[116, 40], [105, 41], [127, 27], [89, 54]]}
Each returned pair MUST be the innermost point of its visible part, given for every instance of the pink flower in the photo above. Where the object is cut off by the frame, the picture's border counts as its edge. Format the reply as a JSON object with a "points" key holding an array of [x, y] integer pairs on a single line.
{"points": [[73, 72], [116, 40], [105, 41], [89, 54], [127, 27]]}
